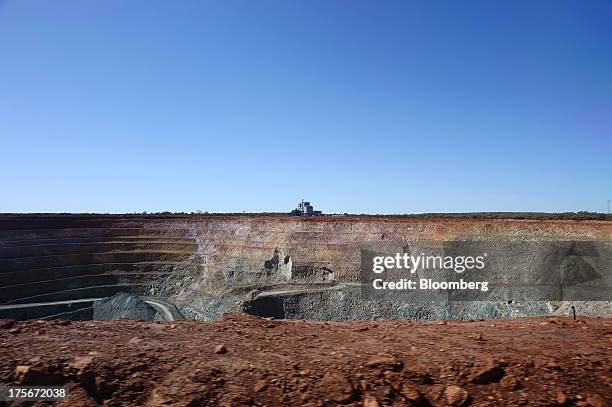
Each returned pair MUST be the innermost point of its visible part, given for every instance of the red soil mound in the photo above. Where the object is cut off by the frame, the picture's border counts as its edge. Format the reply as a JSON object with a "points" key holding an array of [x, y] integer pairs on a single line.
{"points": [[244, 360]]}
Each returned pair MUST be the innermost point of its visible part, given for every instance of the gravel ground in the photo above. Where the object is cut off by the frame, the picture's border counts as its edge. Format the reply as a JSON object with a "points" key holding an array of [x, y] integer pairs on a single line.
{"points": [[245, 360], [124, 305]]}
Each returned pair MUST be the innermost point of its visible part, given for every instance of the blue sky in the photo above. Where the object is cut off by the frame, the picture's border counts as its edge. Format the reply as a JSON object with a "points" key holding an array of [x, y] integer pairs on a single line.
{"points": [[358, 106]]}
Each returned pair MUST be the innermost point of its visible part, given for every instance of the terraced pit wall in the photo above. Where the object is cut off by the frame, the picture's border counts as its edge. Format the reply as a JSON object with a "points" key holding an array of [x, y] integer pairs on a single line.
{"points": [[269, 265]]}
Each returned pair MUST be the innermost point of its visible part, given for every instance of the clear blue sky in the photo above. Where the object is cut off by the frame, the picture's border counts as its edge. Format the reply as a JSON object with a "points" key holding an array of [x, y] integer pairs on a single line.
{"points": [[358, 106]]}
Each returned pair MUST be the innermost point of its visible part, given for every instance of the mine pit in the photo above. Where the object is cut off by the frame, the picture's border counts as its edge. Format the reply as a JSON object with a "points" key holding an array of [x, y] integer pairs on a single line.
{"points": [[59, 266], [107, 306]]}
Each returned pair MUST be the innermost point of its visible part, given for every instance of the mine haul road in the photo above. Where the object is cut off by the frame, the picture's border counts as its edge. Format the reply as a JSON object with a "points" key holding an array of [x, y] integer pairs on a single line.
{"points": [[167, 311]]}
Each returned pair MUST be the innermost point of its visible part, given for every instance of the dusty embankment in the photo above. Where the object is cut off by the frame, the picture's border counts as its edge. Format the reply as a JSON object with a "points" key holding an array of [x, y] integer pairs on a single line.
{"points": [[245, 360], [210, 264]]}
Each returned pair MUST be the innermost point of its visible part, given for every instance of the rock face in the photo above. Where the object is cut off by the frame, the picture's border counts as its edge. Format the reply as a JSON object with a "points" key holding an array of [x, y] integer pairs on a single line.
{"points": [[207, 264], [124, 305], [279, 265]]}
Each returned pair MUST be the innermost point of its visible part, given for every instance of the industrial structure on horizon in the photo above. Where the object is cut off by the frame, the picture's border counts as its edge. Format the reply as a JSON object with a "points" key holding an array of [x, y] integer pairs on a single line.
{"points": [[305, 209]]}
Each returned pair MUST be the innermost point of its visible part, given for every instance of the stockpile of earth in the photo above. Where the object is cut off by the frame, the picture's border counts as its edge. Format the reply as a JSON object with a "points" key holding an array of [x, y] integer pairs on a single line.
{"points": [[124, 306]]}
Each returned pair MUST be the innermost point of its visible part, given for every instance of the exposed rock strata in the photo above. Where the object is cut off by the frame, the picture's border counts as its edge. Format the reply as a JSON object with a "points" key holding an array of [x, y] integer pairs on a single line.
{"points": [[208, 264]]}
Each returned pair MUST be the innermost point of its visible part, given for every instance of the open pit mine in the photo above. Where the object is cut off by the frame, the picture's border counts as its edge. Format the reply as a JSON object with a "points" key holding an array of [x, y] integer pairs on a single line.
{"points": [[201, 266], [283, 319]]}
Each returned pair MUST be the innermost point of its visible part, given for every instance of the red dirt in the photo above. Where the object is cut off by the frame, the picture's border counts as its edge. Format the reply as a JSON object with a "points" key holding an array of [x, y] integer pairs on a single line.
{"points": [[244, 360]]}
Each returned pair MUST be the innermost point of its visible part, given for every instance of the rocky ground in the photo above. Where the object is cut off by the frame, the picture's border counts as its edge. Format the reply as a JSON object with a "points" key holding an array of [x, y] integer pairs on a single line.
{"points": [[124, 305], [245, 360]]}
